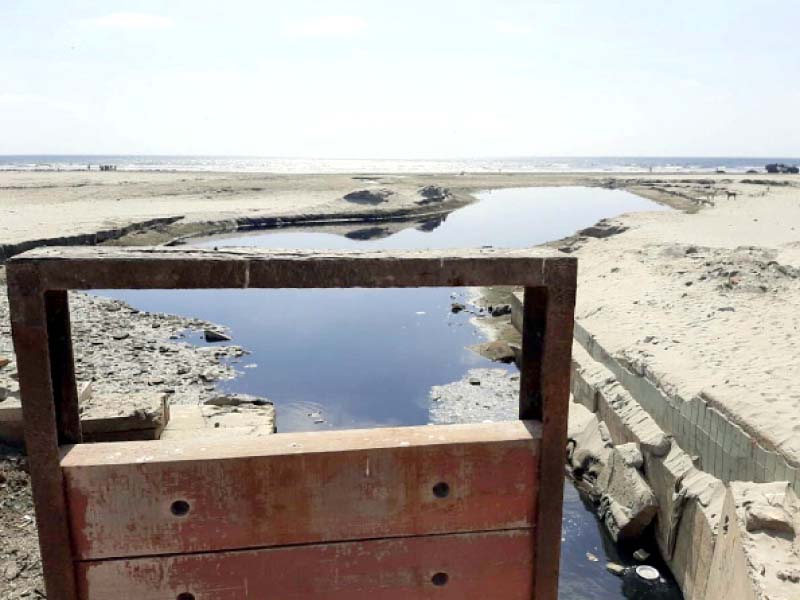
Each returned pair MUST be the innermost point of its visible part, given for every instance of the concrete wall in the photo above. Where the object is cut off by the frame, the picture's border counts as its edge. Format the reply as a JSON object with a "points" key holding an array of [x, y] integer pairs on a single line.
{"points": [[689, 500], [724, 449]]}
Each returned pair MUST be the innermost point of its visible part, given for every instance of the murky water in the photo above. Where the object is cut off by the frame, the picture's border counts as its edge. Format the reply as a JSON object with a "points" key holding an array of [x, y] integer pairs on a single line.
{"points": [[352, 358]]}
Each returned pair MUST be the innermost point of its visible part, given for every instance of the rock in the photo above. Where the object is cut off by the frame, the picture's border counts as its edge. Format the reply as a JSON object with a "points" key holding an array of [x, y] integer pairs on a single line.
{"points": [[237, 400], [762, 517], [791, 575], [579, 418], [630, 455], [603, 229], [456, 307], [212, 335], [481, 395], [209, 375], [501, 309], [615, 569], [627, 504], [497, 351], [591, 557], [369, 196], [12, 570], [591, 451], [433, 193], [641, 555]]}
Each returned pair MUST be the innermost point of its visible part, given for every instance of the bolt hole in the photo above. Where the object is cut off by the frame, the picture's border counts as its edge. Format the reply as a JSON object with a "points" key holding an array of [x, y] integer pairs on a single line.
{"points": [[439, 579], [441, 490], [185, 596], [180, 508]]}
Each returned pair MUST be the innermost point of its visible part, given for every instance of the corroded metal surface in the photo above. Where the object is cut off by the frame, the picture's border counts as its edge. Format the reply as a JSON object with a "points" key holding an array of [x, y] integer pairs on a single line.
{"points": [[37, 282]]}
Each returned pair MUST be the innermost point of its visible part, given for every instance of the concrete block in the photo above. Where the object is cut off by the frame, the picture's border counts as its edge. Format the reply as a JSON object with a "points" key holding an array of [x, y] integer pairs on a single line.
{"points": [[686, 410], [723, 462], [703, 419], [708, 466], [714, 428], [780, 473], [761, 461], [729, 467], [726, 462], [627, 504], [750, 467], [669, 419], [743, 447], [743, 472], [770, 466], [219, 420], [695, 413]]}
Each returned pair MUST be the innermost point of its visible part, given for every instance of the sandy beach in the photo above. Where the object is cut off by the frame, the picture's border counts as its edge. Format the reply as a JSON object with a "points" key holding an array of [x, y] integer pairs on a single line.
{"points": [[702, 299]]}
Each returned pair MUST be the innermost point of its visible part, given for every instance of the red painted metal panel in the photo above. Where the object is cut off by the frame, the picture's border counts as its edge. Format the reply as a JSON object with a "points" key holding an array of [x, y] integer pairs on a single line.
{"points": [[478, 566], [178, 497]]}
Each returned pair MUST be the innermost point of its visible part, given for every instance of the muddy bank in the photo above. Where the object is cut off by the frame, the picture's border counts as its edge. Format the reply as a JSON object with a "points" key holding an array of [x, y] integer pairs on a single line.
{"points": [[118, 348], [148, 208]]}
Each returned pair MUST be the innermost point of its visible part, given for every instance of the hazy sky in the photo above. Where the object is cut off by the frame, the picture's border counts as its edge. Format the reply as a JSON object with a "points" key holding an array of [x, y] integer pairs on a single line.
{"points": [[400, 78]]}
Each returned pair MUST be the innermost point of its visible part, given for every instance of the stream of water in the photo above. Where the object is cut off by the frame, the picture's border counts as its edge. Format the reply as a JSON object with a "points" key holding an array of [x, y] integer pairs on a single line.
{"points": [[368, 358]]}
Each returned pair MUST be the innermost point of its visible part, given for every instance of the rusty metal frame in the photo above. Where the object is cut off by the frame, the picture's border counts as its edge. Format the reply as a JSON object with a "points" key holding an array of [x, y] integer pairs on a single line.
{"points": [[38, 281]]}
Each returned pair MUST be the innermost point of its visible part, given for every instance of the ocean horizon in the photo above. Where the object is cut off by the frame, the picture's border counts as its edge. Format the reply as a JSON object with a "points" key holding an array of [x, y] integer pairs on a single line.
{"points": [[280, 165]]}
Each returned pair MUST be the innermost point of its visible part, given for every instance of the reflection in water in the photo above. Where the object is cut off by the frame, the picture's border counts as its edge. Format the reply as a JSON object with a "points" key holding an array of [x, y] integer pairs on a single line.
{"points": [[431, 224], [370, 233]]}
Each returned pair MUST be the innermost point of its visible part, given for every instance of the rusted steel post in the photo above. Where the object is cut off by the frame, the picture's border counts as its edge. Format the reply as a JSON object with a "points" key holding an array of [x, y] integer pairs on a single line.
{"points": [[62, 368], [544, 396], [533, 329], [29, 322]]}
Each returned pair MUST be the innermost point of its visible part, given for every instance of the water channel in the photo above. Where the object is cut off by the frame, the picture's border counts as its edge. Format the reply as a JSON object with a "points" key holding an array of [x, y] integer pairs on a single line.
{"points": [[368, 358]]}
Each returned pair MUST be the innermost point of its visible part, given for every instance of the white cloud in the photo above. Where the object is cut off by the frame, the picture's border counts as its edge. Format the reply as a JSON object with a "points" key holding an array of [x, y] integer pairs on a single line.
{"points": [[334, 25], [128, 20], [509, 28]]}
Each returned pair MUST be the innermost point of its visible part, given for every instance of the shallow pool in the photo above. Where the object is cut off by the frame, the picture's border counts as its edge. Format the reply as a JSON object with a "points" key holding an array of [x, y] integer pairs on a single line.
{"points": [[351, 358]]}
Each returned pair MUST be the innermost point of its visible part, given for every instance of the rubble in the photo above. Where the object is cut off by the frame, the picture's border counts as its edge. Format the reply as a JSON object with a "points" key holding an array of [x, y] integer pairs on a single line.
{"points": [[627, 503]]}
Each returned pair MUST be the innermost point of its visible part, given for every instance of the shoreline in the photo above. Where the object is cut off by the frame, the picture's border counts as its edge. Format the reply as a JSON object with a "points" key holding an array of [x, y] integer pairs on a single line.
{"points": [[145, 208]]}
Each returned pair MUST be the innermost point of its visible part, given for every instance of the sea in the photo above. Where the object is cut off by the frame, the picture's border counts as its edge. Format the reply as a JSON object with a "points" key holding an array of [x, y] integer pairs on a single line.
{"points": [[254, 164]]}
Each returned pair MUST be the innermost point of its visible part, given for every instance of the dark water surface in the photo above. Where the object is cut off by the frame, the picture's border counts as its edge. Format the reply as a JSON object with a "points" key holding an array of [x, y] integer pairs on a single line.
{"points": [[352, 358], [356, 357]]}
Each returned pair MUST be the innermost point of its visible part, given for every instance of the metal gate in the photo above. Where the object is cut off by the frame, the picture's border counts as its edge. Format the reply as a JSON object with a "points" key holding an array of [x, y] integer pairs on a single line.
{"points": [[451, 512]]}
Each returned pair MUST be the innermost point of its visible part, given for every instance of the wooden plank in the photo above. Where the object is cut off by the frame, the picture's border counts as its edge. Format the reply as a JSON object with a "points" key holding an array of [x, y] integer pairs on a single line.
{"points": [[41, 426], [476, 566], [145, 498], [158, 267]]}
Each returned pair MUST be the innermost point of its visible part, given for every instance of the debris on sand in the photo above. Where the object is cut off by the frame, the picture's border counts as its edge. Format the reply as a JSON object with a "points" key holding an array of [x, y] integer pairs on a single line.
{"points": [[376, 196]]}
